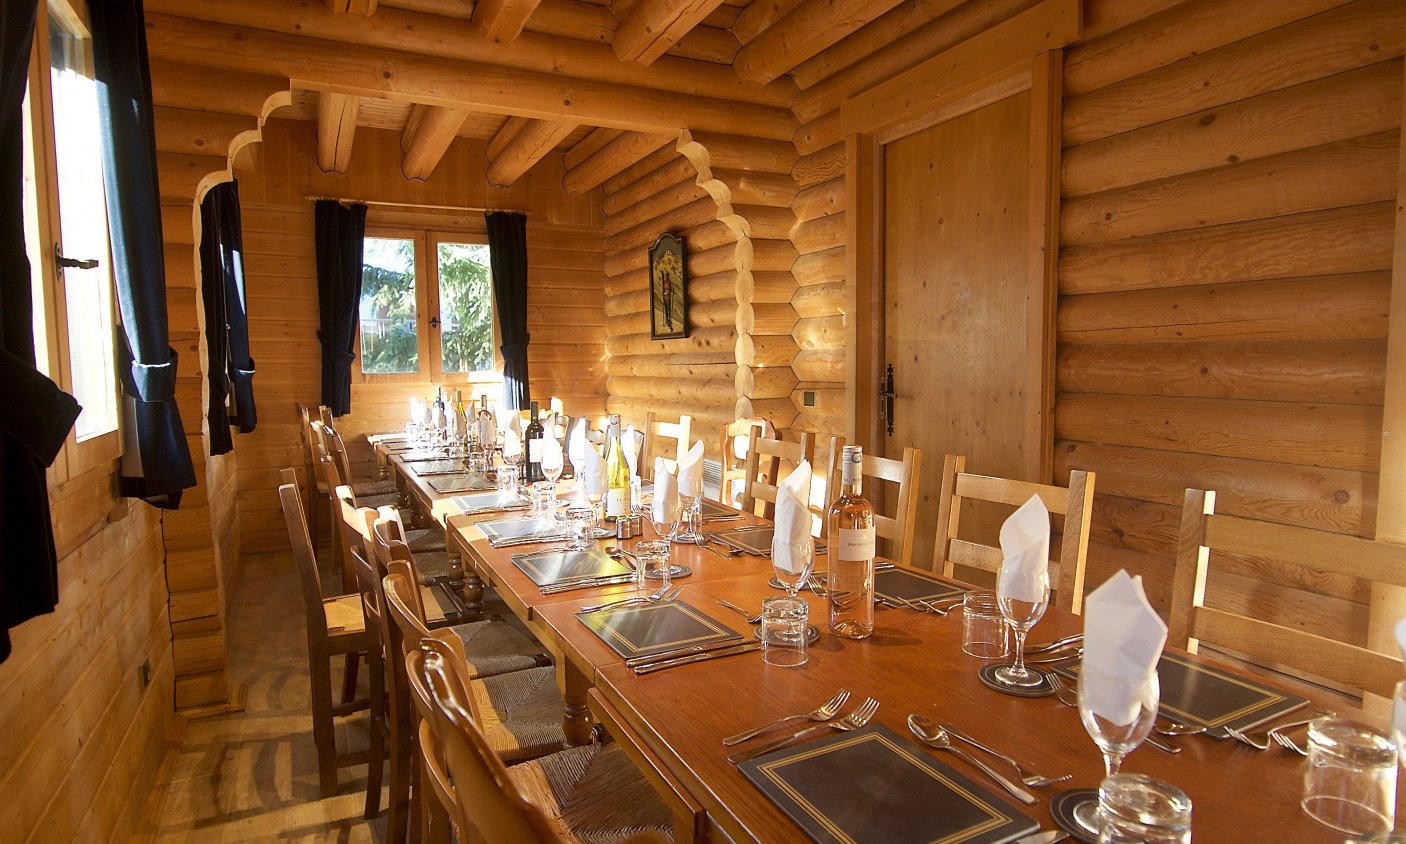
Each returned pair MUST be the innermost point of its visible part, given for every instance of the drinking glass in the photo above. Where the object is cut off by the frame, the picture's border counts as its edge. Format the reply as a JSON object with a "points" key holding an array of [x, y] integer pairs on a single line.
{"points": [[653, 562], [690, 527], [1134, 809], [581, 528], [1022, 615], [785, 627], [512, 460], [1115, 741], [984, 632], [543, 500], [552, 466], [1349, 780]]}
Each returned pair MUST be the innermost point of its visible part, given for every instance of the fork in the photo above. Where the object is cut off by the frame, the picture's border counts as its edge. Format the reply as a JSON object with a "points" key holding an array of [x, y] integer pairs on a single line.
{"points": [[664, 593], [1286, 742], [1245, 737], [1070, 697], [1032, 780], [822, 713], [853, 721]]}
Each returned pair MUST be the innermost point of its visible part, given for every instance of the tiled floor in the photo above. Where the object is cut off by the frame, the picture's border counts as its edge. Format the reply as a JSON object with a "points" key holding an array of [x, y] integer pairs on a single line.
{"points": [[252, 776]]}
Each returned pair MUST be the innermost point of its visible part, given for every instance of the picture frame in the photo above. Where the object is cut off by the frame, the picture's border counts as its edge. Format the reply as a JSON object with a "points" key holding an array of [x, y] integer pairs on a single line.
{"points": [[668, 288]]}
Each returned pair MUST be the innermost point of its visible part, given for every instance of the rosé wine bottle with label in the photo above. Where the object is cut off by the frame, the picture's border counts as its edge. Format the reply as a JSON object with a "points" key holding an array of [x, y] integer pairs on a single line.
{"points": [[850, 535]]}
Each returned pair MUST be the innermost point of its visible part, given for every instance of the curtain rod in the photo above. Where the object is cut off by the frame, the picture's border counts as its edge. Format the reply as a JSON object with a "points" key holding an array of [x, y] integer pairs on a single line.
{"points": [[423, 205]]}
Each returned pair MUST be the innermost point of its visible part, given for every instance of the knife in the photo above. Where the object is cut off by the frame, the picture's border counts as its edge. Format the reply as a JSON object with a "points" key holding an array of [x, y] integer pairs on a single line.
{"points": [[614, 580], [673, 653], [1165, 746], [685, 660]]}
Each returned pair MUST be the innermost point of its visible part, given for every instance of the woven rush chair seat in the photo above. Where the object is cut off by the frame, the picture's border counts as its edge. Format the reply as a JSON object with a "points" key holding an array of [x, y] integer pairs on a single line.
{"points": [[495, 647], [425, 541], [344, 614], [363, 489], [519, 713], [592, 794]]}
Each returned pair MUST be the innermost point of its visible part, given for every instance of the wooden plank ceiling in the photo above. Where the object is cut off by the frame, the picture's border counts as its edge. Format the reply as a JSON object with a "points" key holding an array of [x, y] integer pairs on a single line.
{"points": [[433, 70]]}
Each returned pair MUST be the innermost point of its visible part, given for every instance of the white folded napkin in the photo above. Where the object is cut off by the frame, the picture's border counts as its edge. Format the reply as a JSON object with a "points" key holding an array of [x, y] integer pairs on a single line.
{"points": [[1123, 639], [593, 473], [691, 472], [630, 441], [576, 444], [791, 542], [1025, 543], [551, 452], [666, 492], [1398, 708], [417, 410]]}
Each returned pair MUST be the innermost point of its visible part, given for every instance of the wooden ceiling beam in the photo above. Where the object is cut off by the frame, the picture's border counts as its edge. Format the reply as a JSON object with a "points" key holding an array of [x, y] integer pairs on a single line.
{"points": [[653, 26], [428, 134], [319, 65], [433, 36], [501, 21], [612, 158], [365, 8], [808, 29], [528, 145], [336, 127], [505, 135]]}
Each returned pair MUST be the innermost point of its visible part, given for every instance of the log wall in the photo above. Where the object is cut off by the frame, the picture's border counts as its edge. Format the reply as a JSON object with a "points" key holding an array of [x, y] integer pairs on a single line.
{"points": [[565, 299], [1224, 277]]}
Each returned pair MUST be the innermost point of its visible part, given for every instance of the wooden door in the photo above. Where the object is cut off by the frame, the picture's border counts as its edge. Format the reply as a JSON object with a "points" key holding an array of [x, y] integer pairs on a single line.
{"points": [[956, 269]]}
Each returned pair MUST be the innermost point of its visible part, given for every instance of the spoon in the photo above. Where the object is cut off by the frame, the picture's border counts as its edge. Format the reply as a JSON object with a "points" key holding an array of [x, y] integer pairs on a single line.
{"points": [[932, 734]]}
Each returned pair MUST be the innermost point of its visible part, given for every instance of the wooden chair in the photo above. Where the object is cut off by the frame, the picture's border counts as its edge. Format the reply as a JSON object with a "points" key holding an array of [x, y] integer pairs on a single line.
{"points": [[736, 441], [1074, 503], [316, 489], [607, 799], [762, 472], [335, 449], [519, 711], [1314, 552], [655, 431], [385, 707], [335, 626], [899, 528]]}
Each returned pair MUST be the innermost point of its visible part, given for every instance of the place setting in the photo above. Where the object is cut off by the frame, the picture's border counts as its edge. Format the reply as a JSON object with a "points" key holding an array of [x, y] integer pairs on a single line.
{"points": [[658, 631], [1022, 595]]}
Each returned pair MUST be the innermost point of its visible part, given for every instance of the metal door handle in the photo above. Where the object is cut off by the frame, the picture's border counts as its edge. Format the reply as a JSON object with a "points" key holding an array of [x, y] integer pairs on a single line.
{"points": [[71, 263]]}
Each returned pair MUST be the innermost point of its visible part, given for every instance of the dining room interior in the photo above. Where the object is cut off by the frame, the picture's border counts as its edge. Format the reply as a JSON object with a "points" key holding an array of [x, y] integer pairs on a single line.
{"points": [[522, 420]]}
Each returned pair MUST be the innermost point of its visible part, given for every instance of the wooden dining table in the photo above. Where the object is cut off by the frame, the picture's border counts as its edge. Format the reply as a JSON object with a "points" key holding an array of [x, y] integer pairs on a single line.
{"points": [[672, 722]]}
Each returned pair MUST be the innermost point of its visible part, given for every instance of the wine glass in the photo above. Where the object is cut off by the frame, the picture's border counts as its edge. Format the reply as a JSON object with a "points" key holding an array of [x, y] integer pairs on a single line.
{"points": [[1022, 613], [666, 519], [1115, 740], [794, 575], [552, 467]]}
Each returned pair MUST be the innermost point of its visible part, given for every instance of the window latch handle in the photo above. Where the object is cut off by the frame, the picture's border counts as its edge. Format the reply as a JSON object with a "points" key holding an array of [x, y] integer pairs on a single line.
{"points": [[66, 263]]}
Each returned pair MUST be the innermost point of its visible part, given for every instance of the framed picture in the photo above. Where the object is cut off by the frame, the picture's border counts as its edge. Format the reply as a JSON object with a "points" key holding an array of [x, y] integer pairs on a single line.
{"points": [[668, 289]]}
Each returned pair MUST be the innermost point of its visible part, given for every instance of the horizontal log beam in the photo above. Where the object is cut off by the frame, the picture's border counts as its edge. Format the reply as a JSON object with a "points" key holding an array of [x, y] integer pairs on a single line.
{"points": [[808, 29], [336, 128], [500, 21], [611, 159], [370, 71], [428, 134], [191, 132], [653, 26], [528, 146], [435, 36]]}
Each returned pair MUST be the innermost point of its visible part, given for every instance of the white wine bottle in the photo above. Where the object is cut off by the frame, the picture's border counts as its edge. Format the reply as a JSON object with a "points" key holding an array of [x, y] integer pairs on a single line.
{"points": [[617, 475], [850, 533]]}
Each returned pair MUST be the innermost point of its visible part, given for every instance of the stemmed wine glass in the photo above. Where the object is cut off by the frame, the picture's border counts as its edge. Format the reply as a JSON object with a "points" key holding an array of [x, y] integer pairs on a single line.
{"points": [[1115, 741], [512, 458], [552, 466], [1021, 615], [668, 525]]}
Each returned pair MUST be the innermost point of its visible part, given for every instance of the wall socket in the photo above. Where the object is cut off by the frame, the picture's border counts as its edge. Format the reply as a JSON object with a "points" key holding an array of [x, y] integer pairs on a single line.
{"points": [[808, 398], [144, 673]]}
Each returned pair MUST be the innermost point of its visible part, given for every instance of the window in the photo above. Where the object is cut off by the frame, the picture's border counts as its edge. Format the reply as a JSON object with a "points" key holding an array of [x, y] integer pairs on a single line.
{"points": [[66, 232], [426, 308]]}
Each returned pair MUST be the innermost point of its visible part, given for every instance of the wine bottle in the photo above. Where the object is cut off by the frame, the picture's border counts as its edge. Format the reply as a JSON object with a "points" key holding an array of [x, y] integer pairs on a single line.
{"points": [[532, 442], [617, 474], [459, 422], [437, 418], [850, 530]]}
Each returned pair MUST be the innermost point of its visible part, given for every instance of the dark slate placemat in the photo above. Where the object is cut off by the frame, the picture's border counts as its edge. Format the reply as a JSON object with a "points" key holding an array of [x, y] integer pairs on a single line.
{"points": [[461, 483], [871, 786], [644, 629], [552, 567], [913, 586]]}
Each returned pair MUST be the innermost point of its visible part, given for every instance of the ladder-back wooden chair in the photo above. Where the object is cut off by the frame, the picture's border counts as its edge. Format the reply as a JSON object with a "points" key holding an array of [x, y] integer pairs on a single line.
{"points": [[899, 528], [385, 709], [335, 627], [316, 487], [733, 447], [762, 472], [1074, 503], [607, 798], [1314, 552], [657, 438]]}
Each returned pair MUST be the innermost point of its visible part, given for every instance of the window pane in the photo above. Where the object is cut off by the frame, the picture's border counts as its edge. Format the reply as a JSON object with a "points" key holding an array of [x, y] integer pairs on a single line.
{"points": [[389, 342], [465, 308], [83, 221]]}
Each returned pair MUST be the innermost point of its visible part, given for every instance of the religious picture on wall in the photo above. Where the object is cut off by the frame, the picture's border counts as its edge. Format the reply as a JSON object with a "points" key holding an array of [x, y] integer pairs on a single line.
{"points": [[668, 287]]}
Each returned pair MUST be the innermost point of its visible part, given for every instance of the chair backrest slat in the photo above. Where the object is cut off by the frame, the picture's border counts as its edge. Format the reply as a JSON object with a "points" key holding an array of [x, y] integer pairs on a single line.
{"points": [[734, 446], [652, 446], [762, 472], [1315, 552], [898, 528]]}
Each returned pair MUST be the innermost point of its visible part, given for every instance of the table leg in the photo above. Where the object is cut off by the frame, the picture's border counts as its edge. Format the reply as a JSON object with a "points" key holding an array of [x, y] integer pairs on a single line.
{"points": [[576, 719], [464, 579]]}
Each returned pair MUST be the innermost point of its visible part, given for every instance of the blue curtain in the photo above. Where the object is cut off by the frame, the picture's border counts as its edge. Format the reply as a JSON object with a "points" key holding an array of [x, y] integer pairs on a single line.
{"points": [[156, 462], [35, 415], [340, 232], [507, 251], [229, 368]]}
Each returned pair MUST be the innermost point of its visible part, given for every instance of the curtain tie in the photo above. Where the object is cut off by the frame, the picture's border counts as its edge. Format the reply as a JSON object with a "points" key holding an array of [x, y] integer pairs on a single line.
{"points": [[519, 347], [244, 375], [336, 354], [155, 382]]}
